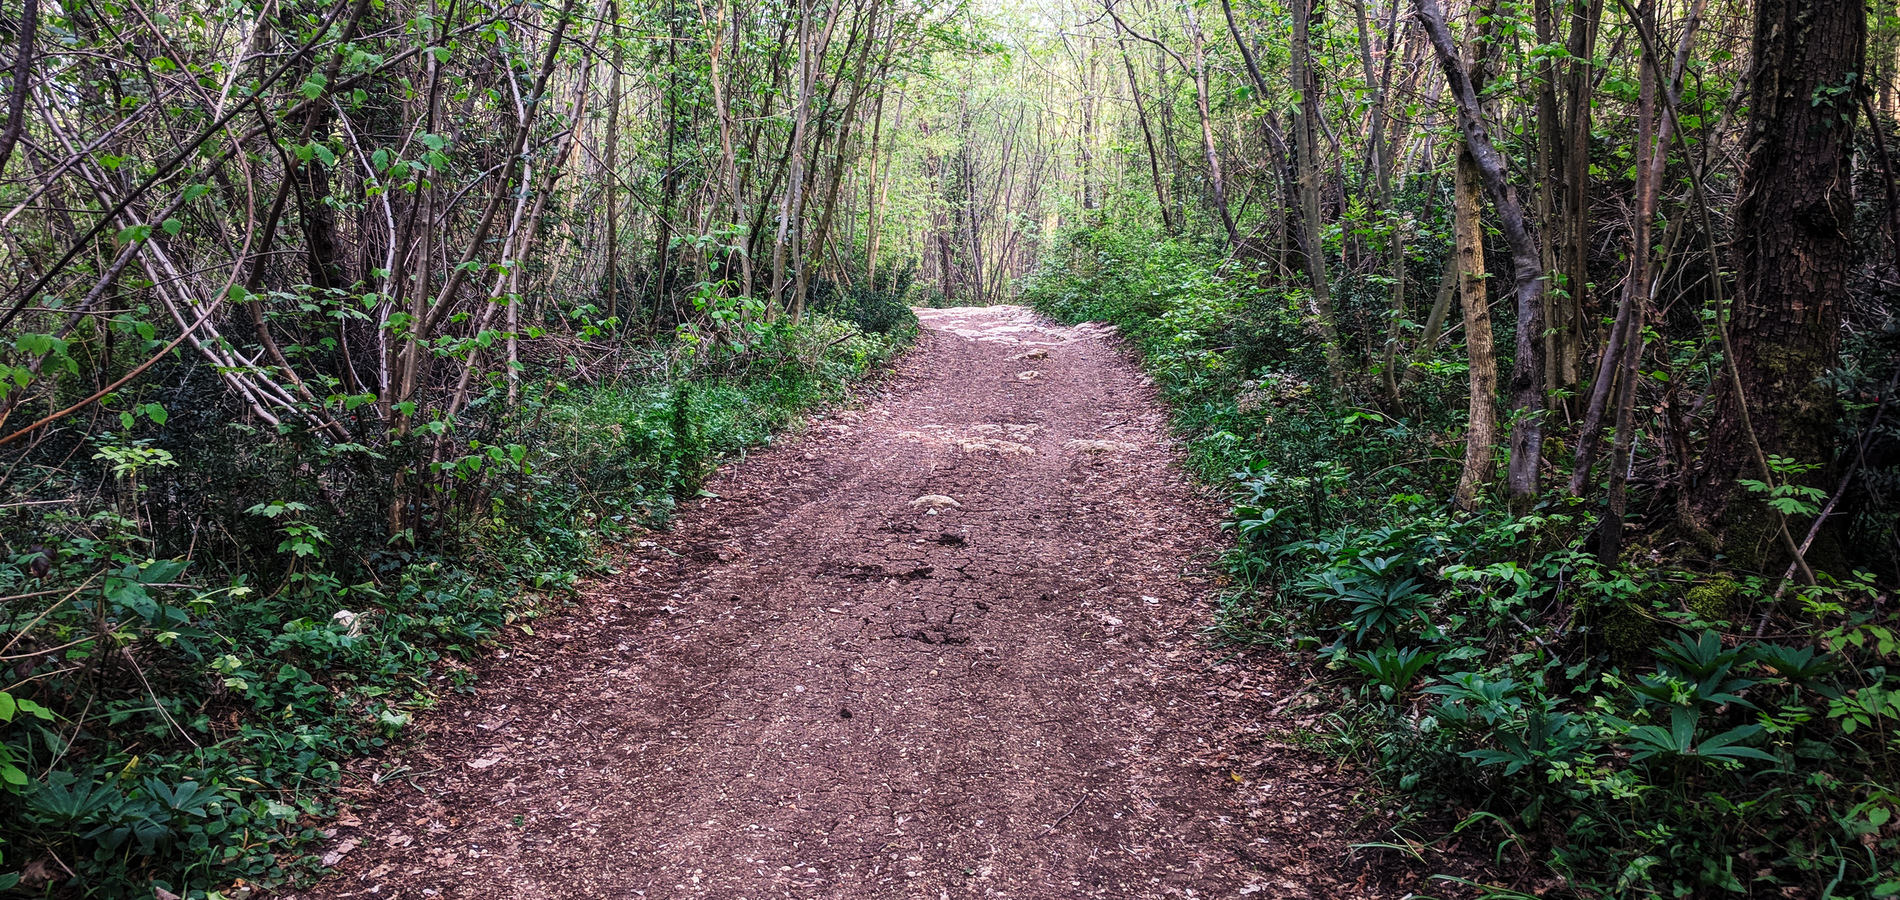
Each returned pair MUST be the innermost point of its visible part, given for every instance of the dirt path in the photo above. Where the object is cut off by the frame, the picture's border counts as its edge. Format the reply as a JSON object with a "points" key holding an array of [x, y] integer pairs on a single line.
{"points": [[826, 683]]}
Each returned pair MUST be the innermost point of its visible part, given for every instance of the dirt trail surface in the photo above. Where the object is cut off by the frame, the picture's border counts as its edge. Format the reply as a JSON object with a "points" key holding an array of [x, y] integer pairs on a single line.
{"points": [[942, 646]]}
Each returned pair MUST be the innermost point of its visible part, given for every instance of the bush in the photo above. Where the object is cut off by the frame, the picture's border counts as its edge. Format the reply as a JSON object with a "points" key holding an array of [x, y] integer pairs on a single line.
{"points": [[181, 704], [1625, 725]]}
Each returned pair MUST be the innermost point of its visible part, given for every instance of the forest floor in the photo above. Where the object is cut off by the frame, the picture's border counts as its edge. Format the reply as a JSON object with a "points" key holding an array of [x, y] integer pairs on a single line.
{"points": [[829, 681]]}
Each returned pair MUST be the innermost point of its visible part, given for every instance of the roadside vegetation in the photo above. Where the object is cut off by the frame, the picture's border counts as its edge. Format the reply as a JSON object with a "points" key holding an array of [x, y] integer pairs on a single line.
{"points": [[1548, 351], [1664, 722], [339, 339], [200, 662]]}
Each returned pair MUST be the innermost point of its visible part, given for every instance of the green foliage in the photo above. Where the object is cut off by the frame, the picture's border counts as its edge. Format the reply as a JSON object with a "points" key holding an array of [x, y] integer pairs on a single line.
{"points": [[879, 305], [1624, 725], [178, 721]]}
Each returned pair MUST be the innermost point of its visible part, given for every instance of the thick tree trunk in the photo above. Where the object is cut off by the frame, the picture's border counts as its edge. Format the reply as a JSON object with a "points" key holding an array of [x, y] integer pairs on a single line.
{"points": [[1793, 247]]}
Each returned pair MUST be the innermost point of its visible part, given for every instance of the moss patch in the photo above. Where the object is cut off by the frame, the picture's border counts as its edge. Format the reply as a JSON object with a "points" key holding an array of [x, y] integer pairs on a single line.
{"points": [[1712, 600]]}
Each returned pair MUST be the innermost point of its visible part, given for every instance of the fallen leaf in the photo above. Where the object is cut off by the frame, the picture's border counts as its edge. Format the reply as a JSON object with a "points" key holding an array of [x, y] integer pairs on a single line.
{"points": [[337, 853]]}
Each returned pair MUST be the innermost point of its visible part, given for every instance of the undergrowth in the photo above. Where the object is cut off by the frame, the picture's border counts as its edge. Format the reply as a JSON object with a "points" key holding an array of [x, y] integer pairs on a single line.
{"points": [[1655, 728], [185, 677]]}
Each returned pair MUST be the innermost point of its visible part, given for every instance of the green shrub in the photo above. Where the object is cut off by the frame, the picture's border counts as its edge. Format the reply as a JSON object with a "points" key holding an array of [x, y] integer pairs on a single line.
{"points": [[1486, 663], [177, 716]]}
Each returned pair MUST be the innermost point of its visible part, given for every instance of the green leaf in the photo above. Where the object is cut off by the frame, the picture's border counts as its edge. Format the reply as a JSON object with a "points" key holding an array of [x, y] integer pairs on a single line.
{"points": [[34, 709], [34, 343], [1723, 745], [172, 226]]}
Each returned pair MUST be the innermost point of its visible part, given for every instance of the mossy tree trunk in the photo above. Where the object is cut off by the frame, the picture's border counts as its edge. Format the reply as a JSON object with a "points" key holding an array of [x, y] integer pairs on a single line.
{"points": [[1481, 434], [1793, 246]]}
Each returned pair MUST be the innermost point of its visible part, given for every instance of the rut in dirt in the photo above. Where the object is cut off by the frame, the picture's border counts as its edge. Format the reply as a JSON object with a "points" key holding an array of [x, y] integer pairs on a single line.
{"points": [[943, 646]]}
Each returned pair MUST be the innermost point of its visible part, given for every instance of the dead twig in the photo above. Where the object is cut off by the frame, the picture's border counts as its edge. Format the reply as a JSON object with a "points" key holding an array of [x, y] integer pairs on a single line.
{"points": [[1060, 819]]}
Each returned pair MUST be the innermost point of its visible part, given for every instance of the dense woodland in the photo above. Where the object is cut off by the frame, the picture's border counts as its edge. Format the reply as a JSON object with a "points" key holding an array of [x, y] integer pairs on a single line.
{"points": [[1547, 348]]}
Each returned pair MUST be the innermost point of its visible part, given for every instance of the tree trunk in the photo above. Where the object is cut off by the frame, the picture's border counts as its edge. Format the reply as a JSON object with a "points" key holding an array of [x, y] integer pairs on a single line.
{"points": [[870, 195], [1280, 155], [1434, 322], [1306, 123], [1148, 138], [1527, 288], [1482, 431], [1382, 202], [1570, 327], [873, 233], [669, 175], [1204, 107], [1793, 247], [22, 79], [792, 201], [611, 184], [1636, 296]]}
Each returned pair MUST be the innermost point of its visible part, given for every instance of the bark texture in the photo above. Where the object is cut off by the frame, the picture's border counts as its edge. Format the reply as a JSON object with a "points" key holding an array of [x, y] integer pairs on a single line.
{"points": [[1793, 246], [1482, 432]]}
